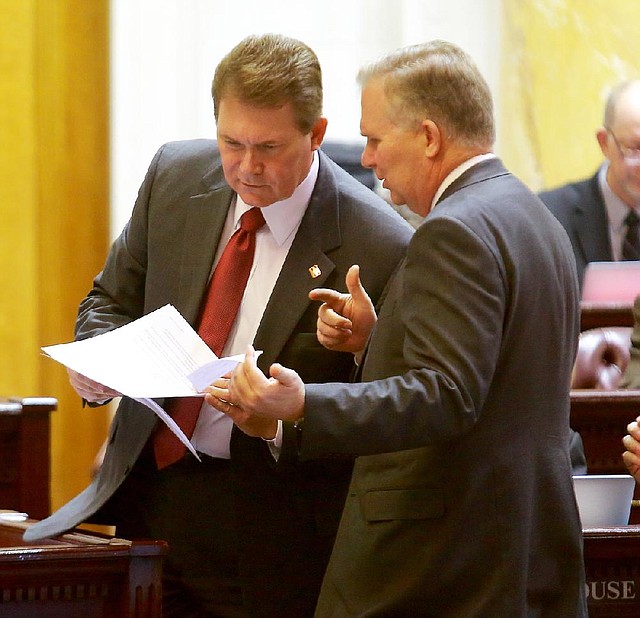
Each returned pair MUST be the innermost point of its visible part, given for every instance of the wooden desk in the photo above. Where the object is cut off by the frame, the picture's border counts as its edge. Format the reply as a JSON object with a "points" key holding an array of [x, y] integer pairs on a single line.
{"points": [[25, 454], [595, 315], [612, 565], [78, 575]]}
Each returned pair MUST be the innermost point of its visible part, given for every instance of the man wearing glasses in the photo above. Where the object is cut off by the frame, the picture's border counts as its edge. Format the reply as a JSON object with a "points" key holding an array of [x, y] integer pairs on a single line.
{"points": [[601, 213]]}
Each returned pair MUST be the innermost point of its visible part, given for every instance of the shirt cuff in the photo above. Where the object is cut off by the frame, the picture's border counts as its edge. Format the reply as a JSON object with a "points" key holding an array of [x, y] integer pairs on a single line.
{"points": [[275, 444]]}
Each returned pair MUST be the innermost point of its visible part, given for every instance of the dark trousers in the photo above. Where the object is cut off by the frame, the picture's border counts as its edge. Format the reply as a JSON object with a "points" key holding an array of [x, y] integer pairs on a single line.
{"points": [[288, 516], [190, 505]]}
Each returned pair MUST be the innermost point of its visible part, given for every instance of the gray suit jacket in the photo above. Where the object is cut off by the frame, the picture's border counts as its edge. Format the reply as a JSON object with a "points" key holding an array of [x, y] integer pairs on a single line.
{"points": [[461, 502], [165, 254], [580, 207]]}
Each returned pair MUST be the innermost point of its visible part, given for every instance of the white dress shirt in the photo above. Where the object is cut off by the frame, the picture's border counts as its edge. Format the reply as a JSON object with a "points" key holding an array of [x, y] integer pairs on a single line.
{"points": [[212, 433]]}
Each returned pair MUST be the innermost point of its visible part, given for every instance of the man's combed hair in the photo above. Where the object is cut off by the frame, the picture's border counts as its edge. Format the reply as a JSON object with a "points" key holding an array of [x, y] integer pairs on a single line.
{"points": [[439, 81], [272, 70]]}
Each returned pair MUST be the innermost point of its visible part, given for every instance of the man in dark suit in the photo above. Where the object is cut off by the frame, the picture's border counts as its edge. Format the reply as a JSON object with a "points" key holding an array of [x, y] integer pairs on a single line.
{"points": [[461, 501], [594, 211], [319, 220]]}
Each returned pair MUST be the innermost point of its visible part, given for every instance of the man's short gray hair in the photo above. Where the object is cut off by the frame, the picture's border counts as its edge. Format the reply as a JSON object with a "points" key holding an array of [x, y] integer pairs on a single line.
{"points": [[439, 81]]}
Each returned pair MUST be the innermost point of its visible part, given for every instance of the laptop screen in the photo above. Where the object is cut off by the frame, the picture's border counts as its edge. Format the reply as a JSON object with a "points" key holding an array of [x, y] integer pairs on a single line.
{"points": [[611, 282]]}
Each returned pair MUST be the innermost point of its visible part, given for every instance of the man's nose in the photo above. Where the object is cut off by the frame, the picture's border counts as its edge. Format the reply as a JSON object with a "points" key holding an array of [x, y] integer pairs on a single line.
{"points": [[367, 157], [250, 163]]}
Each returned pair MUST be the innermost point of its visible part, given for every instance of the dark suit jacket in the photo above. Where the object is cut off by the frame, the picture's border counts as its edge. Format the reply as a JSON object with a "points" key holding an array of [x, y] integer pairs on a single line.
{"points": [[461, 502], [579, 206], [165, 254]]}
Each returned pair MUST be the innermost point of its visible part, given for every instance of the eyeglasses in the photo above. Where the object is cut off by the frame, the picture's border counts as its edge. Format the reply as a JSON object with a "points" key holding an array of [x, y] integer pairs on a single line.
{"points": [[631, 156]]}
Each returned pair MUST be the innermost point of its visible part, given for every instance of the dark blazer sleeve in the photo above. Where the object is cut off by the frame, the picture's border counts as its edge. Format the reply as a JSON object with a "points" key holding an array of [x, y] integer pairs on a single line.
{"points": [[117, 295]]}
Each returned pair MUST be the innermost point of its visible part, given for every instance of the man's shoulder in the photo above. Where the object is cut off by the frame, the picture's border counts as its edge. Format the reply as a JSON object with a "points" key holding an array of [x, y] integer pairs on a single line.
{"points": [[191, 149], [183, 163], [568, 195], [372, 216]]}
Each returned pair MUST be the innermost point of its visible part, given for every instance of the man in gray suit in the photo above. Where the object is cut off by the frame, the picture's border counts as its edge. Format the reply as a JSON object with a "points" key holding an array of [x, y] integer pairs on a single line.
{"points": [[461, 501], [594, 211], [319, 220]]}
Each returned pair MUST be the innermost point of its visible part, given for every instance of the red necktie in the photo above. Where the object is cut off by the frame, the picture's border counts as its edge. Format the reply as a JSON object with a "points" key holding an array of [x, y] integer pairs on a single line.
{"points": [[218, 314]]}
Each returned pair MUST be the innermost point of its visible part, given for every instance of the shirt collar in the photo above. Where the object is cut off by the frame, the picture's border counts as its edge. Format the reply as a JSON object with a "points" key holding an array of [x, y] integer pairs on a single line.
{"points": [[283, 217], [455, 173], [617, 209]]}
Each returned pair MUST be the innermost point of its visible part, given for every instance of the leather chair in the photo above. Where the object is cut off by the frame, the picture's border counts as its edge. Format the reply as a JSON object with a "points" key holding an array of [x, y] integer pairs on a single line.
{"points": [[347, 156], [602, 358], [600, 409]]}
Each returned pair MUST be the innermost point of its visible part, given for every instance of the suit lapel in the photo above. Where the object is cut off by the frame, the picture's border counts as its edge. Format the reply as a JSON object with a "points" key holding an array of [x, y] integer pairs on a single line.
{"points": [[592, 225], [318, 233], [206, 213]]}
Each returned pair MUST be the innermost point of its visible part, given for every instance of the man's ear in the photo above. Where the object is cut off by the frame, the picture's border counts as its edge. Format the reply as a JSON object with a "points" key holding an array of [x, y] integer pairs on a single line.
{"points": [[317, 133], [432, 138], [603, 141]]}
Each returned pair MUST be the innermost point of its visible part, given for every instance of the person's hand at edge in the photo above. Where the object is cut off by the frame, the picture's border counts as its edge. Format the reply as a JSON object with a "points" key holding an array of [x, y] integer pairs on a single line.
{"points": [[89, 390], [345, 321], [631, 456]]}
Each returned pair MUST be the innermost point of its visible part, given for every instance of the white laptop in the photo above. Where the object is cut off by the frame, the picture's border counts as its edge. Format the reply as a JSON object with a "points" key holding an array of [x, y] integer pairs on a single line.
{"points": [[613, 282], [604, 499]]}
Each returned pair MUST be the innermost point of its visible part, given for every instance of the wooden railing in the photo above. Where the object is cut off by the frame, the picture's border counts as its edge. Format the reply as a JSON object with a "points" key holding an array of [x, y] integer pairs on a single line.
{"points": [[25, 454], [78, 574], [595, 315]]}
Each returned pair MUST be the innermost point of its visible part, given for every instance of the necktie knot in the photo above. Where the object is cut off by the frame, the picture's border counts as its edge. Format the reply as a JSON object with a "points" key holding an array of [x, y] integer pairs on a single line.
{"points": [[252, 220]]}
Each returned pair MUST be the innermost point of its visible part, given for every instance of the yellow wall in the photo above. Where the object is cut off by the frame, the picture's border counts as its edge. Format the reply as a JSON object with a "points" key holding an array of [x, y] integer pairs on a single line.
{"points": [[53, 206], [560, 59]]}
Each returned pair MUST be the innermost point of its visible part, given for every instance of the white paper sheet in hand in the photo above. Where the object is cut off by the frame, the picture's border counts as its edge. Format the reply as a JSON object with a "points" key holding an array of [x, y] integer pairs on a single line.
{"points": [[157, 356], [205, 375], [149, 357]]}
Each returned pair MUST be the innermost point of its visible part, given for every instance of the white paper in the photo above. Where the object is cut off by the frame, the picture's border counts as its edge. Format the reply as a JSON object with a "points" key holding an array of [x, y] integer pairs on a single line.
{"points": [[206, 374], [166, 418], [151, 357], [156, 356]]}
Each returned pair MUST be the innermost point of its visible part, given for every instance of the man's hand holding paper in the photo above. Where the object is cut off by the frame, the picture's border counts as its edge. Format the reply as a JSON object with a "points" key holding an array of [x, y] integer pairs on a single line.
{"points": [[156, 356], [90, 390], [250, 393]]}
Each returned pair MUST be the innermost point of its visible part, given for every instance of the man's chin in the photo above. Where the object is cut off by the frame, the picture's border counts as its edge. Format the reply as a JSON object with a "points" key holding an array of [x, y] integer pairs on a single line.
{"points": [[396, 199], [253, 198]]}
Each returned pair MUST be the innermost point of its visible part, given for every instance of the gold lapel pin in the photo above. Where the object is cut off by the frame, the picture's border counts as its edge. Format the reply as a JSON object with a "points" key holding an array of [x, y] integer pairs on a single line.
{"points": [[315, 271]]}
